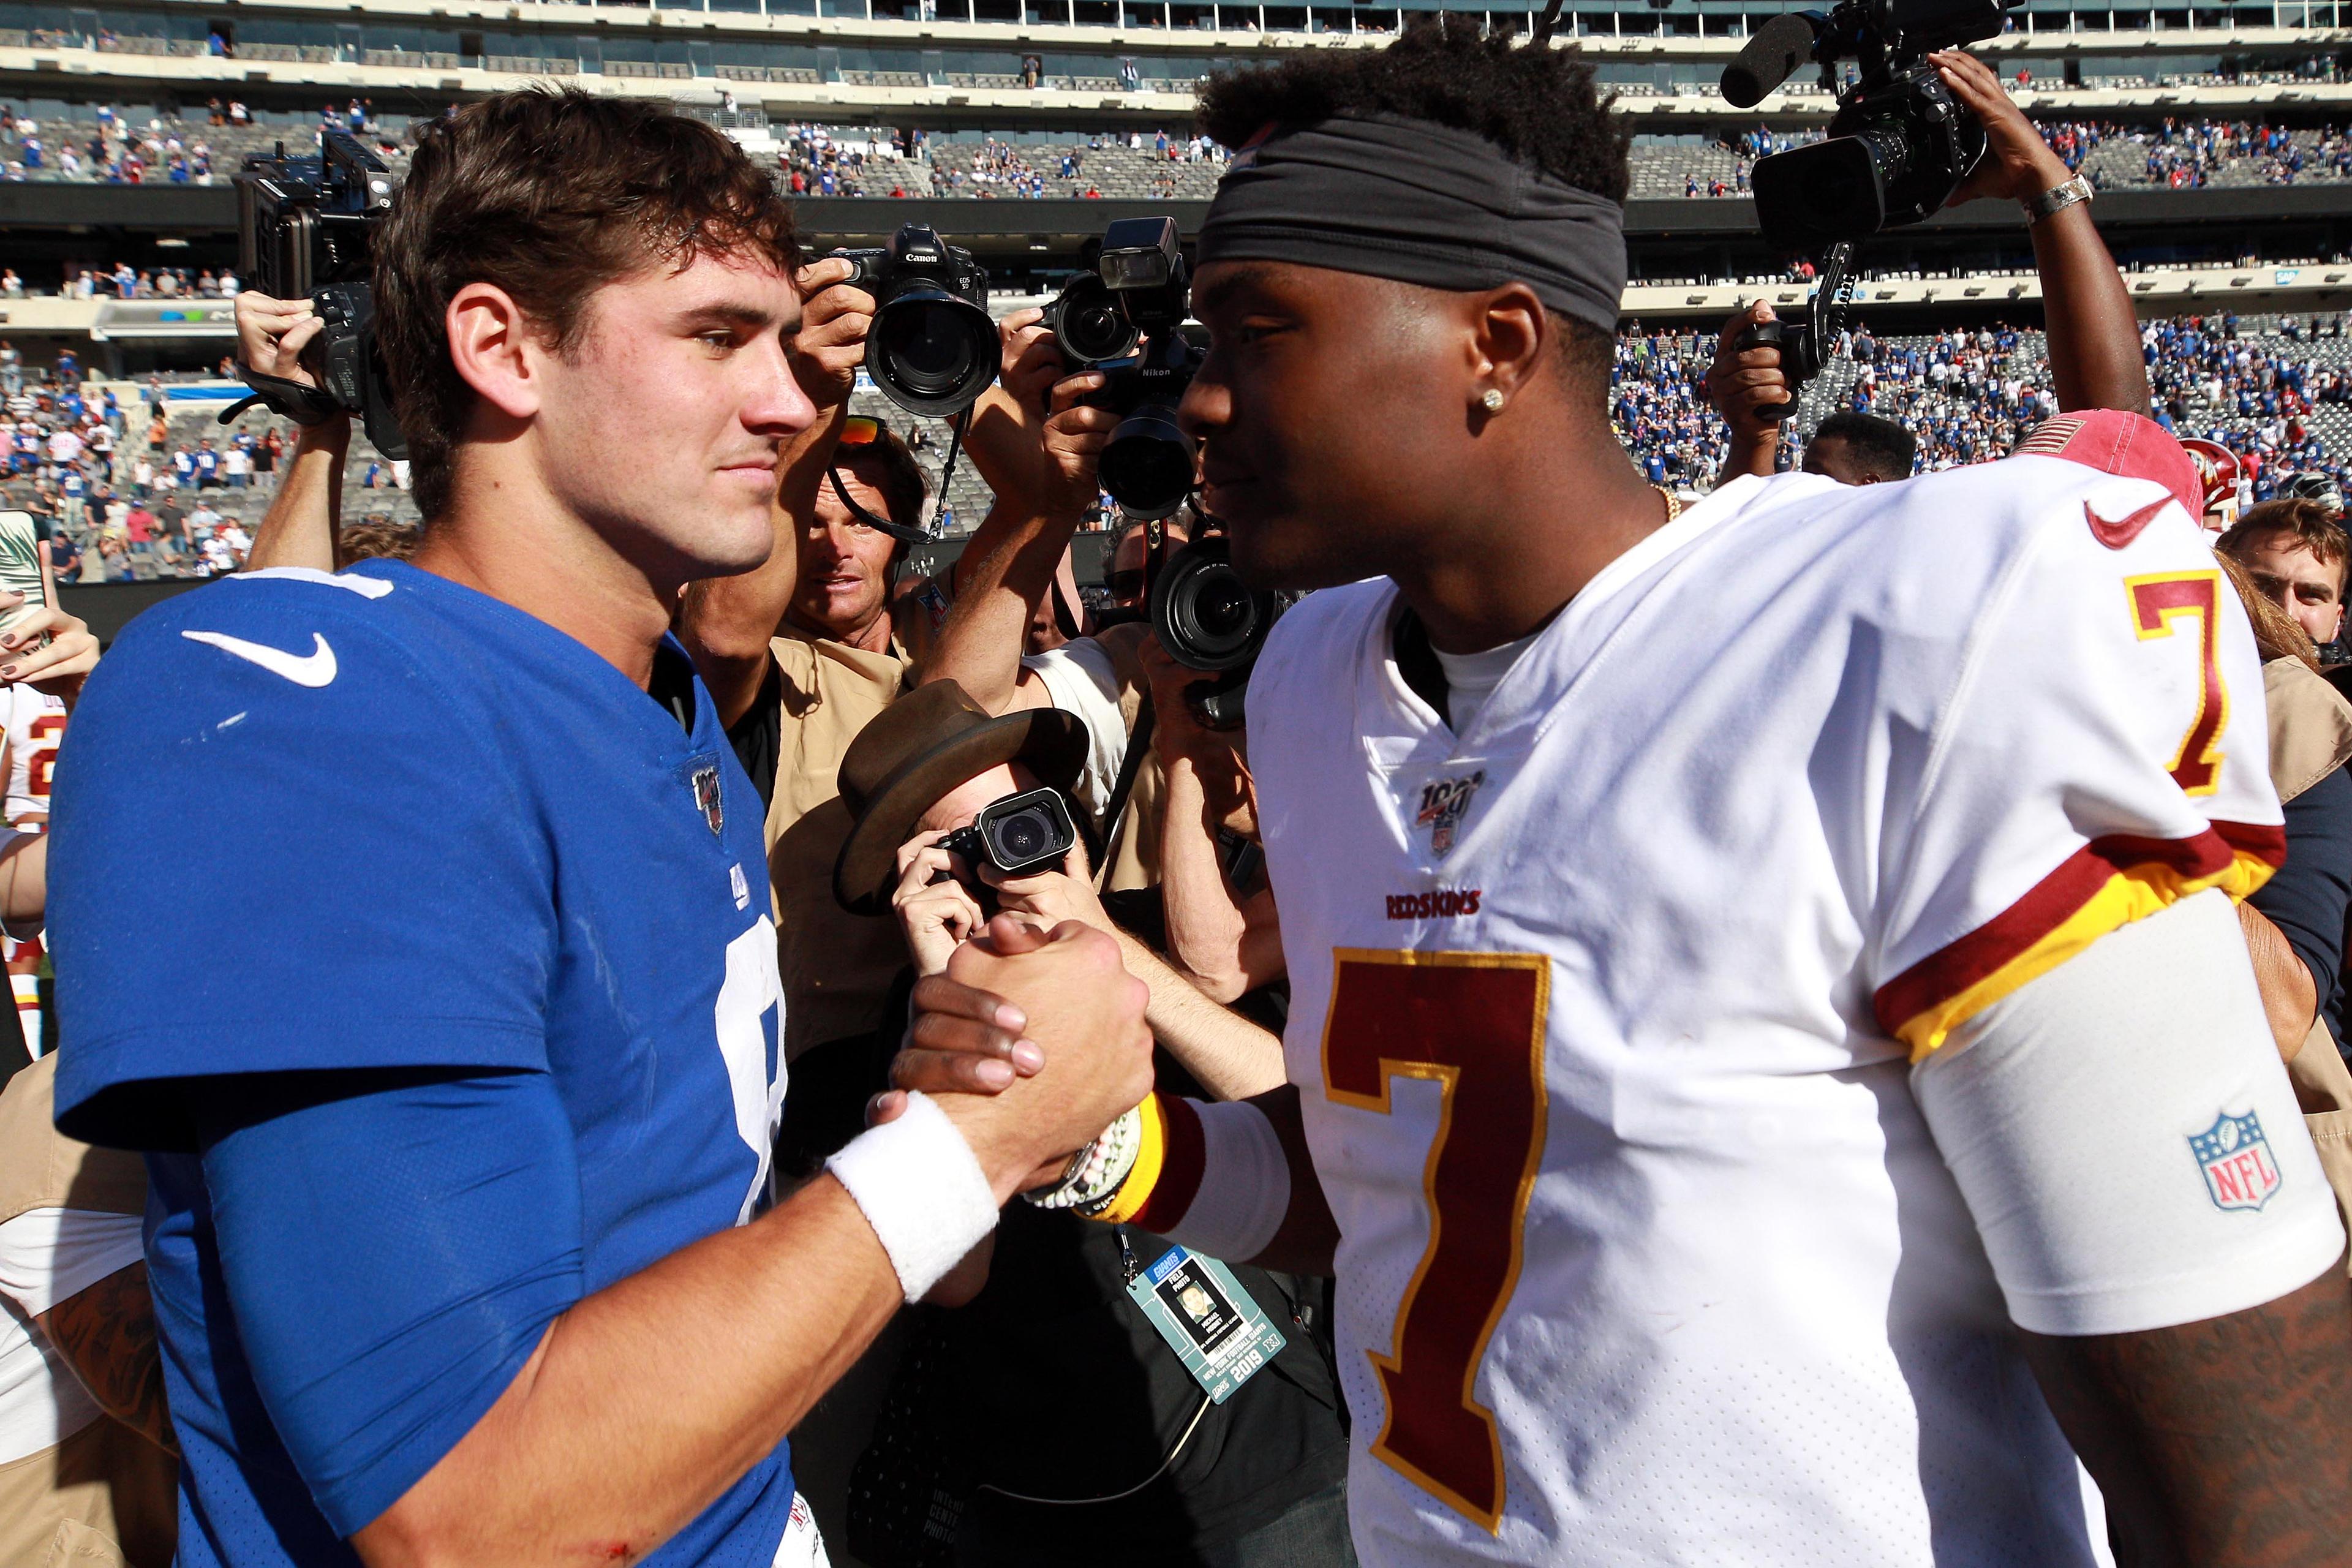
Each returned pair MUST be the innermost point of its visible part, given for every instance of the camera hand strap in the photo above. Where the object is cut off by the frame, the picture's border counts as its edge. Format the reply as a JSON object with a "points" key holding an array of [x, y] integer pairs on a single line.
{"points": [[304, 404]]}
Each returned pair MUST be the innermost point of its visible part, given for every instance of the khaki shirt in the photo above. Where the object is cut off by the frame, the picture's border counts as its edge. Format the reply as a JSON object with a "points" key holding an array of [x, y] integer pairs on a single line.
{"points": [[837, 967], [104, 1495]]}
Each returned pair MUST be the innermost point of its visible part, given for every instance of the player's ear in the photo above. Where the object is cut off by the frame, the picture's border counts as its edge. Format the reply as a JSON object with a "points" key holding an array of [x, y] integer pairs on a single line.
{"points": [[494, 349], [1508, 334]]}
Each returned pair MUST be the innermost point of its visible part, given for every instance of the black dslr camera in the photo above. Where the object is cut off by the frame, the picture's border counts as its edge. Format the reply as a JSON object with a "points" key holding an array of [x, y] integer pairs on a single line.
{"points": [[1900, 144], [1210, 620], [1126, 320], [1017, 833], [932, 348], [304, 228]]}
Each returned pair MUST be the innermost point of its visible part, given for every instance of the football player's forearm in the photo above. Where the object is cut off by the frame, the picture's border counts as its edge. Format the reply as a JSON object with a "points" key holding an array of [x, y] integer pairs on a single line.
{"points": [[1231, 1057], [2094, 336], [2226, 1442], [1000, 579], [647, 1400], [298, 529], [106, 1333]]}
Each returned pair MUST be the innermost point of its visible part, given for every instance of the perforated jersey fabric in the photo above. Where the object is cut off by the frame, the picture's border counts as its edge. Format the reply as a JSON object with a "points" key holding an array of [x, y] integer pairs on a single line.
{"points": [[1604, 1011], [469, 845]]}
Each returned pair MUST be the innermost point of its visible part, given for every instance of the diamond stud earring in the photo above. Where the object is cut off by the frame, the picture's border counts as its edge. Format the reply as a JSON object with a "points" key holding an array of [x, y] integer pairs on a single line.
{"points": [[1491, 400]]}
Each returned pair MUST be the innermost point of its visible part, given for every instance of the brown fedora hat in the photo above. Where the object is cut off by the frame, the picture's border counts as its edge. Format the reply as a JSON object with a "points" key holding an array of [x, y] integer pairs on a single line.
{"points": [[923, 745]]}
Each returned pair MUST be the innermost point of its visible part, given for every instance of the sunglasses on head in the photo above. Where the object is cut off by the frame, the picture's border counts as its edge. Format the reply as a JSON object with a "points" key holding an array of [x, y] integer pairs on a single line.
{"points": [[861, 431]]}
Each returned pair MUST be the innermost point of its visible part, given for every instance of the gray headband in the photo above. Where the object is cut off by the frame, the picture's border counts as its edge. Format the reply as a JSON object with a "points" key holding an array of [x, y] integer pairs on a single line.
{"points": [[1423, 203]]}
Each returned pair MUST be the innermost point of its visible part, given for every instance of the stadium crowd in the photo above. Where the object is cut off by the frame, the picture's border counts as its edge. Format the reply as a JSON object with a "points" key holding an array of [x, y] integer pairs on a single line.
{"points": [[1665, 884]]}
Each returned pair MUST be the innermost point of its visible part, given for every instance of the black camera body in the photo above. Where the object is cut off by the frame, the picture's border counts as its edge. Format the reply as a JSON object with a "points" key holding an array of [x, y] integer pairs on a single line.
{"points": [[1900, 145], [1806, 338], [305, 228], [1126, 320], [1210, 620], [932, 348], [1018, 833]]}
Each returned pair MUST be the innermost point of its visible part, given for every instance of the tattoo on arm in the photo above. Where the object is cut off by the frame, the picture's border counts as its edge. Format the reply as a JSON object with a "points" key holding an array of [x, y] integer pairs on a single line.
{"points": [[2222, 1442], [106, 1334]]}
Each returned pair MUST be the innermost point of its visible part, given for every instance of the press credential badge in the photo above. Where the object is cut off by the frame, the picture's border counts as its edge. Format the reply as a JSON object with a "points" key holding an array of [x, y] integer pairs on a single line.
{"points": [[1207, 1319]]}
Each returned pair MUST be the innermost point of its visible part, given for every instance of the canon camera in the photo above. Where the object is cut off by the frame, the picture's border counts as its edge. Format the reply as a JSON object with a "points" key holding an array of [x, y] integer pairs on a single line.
{"points": [[932, 348], [305, 227]]}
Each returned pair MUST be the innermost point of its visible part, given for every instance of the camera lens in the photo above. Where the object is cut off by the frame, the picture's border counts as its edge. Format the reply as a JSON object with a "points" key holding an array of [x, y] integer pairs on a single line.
{"points": [[1090, 326], [1206, 616], [1024, 836], [1147, 465], [931, 353]]}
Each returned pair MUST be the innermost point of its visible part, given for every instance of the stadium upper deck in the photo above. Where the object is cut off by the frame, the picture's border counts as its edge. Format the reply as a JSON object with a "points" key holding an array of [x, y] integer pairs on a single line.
{"points": [[1034, 64]]}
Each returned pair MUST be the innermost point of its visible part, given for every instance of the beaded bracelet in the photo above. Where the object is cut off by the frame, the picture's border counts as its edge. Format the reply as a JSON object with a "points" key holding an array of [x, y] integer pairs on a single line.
{"points": [[1094, 1175]]}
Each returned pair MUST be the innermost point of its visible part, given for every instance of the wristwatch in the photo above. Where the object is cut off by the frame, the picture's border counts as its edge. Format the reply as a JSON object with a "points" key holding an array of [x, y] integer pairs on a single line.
{"points": [[2056, 199]]}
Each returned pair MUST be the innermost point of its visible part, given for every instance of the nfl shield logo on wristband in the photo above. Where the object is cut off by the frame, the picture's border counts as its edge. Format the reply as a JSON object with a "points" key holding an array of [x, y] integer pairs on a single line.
{"points": [[2241, 1171]]}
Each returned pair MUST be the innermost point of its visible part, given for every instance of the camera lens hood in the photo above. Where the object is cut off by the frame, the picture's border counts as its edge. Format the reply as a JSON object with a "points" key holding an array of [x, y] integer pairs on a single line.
{"points": [[930, 351], [1088, 325], [1148, 465], [1206, 618]]}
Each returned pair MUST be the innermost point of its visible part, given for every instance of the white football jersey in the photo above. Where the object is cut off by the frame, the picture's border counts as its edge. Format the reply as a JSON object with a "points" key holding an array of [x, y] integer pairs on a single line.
{"points": [[1603, 1012], [33, 721]]}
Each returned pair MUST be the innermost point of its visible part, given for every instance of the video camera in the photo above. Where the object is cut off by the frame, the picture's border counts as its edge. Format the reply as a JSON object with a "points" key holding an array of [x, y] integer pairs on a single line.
{"points": [[1900, 144], [1126, 320], [305, 227], [932, 349]]}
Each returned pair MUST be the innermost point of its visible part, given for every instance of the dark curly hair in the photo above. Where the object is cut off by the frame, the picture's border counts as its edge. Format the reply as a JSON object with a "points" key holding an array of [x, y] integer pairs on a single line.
{"points": [[1537, 103], [550, 194]]}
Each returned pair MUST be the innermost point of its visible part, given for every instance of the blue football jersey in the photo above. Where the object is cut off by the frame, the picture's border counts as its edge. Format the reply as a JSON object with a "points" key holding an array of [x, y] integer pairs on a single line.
{"points": [[378, 820]]}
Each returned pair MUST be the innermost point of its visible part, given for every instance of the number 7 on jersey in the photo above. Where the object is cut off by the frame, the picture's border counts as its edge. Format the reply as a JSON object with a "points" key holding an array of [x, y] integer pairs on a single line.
{"points": [[1474, 1024]]}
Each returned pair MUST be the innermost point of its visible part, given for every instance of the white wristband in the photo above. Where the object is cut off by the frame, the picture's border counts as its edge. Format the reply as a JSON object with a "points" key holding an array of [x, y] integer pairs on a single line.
{"points": [[1245, 1183], [917, 1182]]}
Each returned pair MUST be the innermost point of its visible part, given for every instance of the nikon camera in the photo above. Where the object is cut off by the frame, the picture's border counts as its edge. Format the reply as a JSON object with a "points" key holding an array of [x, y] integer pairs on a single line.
{"points": [[304, 230], [932, 349], [1126, 320], [1900, 144]]}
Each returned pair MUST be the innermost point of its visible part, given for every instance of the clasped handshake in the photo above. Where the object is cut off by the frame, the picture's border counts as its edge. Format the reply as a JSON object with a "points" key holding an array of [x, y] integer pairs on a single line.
{"points": [[1034, 1040]]}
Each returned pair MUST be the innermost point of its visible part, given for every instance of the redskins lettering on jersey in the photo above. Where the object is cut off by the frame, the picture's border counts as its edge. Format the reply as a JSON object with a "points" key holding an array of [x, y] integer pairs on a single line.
{"points": [[1648, 1254]]}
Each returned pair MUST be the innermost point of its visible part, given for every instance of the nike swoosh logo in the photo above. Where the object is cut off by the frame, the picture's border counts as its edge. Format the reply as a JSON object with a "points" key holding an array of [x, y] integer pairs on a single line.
{"points": [[2116, 534], [315, 669]]}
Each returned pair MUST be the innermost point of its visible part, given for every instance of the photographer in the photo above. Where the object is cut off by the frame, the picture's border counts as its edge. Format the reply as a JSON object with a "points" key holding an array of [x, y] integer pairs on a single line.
{"points": [[2093, 335], [1043, 1341], [456, 1230], [301, 526]]}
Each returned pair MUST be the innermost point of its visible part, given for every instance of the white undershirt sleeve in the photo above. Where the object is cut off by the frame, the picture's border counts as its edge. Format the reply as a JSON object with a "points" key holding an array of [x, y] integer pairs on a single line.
{"points": [[1080, 680], [49, 1255], [2125, 1136]]}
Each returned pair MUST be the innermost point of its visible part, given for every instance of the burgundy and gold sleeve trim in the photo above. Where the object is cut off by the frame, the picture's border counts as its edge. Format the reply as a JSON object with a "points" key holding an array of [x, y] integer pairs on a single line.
{"points": [[2108, 883], [1168, 1165]]}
